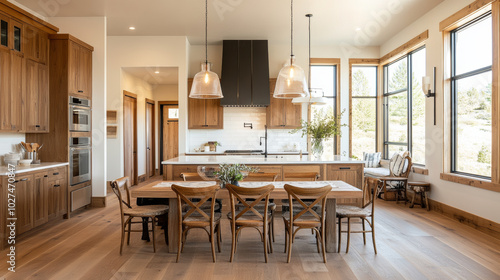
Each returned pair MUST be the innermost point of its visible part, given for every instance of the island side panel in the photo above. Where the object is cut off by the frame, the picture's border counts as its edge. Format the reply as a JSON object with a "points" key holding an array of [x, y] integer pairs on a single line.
{"points": [[351, 173]]}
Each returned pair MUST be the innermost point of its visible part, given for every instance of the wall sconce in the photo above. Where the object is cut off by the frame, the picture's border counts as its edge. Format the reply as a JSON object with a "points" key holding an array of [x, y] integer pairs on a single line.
{"points": [[426, 88]]}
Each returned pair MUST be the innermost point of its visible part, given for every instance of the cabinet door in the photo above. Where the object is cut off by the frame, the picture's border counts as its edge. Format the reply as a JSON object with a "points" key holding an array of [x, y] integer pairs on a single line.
{"points": [[196, 113], [213, 114], [17, 36], [40, 199], [84, 82], [31, 43], [37, 97], [74, 54], [5, 93], [4, 32], [293, 114], [275, 113], [16, 91], [24, 203]]}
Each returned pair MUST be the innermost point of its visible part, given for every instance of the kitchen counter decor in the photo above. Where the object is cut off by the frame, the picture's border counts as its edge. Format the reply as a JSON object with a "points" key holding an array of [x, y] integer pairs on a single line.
{"points": [[233, 173]]}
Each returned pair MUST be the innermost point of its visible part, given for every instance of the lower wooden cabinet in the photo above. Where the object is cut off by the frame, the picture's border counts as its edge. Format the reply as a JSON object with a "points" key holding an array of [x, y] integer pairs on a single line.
{"points": [[39, 197]]}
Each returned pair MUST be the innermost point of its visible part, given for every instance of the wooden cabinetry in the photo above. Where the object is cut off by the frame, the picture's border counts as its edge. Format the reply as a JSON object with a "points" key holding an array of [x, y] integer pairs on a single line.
{"points": [[37, 97], [204, 113], [282, 113], [11, 90], [40, 196], [36, 45], [79, 70]]}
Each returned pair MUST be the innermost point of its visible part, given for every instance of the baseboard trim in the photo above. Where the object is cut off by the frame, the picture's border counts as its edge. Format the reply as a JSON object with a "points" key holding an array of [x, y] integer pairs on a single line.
{"points": [[484, 225], [141, 178], [98, 202]]}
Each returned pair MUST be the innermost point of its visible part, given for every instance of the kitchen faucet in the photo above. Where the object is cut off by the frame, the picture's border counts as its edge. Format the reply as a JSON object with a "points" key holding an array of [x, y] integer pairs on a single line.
{"points": [[265, 138]]}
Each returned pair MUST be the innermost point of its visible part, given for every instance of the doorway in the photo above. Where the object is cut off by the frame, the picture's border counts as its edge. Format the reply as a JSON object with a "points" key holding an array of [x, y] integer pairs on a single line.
{"points": [[150, 138], [169, 124], [130, 136]]}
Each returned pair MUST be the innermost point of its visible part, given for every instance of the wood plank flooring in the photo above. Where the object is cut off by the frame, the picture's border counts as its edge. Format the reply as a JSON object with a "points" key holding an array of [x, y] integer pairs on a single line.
{"points": [[411, 243]]}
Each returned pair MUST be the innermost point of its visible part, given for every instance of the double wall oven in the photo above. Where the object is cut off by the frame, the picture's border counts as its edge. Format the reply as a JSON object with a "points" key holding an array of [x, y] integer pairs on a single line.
{"points": [[80, 156], [79, 114]]}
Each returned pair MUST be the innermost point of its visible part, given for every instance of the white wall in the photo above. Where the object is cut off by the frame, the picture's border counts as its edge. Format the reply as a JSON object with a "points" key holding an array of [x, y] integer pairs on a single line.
{"points": [[92, 30], [477, 201], [142, 51], [278, 54]]}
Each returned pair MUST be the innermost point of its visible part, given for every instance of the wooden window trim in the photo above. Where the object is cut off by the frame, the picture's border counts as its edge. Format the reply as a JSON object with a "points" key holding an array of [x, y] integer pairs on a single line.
{"points": [[405, 48], [362, 62], [461, 17], [335, 62], [471, 181], [420, 170]]}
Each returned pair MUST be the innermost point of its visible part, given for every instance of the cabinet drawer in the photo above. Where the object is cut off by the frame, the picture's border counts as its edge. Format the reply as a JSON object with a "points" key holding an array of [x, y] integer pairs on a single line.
{"points": [[290, 169], [269, 169], [178, 169], [344, 167], [58, 173]]}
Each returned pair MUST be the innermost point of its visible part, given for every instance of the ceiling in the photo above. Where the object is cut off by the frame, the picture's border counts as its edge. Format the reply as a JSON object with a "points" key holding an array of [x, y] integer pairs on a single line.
{"points": [[166, 75], [334, 21]]}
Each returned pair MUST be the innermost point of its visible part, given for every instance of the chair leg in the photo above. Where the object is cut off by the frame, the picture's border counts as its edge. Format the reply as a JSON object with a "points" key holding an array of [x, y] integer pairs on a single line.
{"points": [[180, 243], [286, 238], [317, 241], [340, 234], [427, 201], [233, 241], [272, 224], [122, 239], [153, 232], [129, 226], [413, 199], [212, 241], [219, 239], [264, 237], [348, 234], [323, 244], [364, 233], [373, 236], [290, 238], [270, 239]]}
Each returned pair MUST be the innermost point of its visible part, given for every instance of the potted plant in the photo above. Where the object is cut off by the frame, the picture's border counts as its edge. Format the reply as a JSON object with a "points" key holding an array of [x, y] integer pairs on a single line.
{"points": [[233, 173], [325, 125]]}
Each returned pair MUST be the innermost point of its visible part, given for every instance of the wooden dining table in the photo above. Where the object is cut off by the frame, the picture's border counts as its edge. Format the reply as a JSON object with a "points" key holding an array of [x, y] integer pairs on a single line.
{"points": [[162, 189]]}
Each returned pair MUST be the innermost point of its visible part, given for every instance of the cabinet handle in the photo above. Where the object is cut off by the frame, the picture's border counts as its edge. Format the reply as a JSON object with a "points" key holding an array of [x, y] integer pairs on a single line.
{"points": [[22, 180], [16, 181], [45, 176], [205, 125], [37, 126], [57, 186], [345, 168], [57, 173], [80, 91]]}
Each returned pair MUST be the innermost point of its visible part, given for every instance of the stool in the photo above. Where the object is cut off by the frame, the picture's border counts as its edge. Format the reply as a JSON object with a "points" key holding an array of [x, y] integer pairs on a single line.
{"points": [[420, 188]]}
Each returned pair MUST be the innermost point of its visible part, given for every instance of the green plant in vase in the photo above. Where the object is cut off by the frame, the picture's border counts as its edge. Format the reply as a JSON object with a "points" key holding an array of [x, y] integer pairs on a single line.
{"points": [[233, 173], [324, 125]]}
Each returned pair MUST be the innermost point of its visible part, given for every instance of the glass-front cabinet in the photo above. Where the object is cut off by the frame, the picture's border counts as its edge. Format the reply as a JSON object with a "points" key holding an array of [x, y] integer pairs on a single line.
{"points": [[11, 33]]}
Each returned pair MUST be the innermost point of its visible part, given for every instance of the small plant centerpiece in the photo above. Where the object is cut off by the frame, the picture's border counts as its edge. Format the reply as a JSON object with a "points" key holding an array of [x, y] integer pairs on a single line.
{"points": [[324, 125], [233, 173]]}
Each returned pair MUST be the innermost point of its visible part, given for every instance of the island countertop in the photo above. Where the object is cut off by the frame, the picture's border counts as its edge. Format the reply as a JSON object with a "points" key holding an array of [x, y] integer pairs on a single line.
{"points": [[260, 159]]}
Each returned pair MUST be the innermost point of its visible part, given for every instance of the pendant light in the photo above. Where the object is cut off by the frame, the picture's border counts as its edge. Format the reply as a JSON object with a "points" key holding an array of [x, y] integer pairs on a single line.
{"points": [[291, 80], [310, 99], [206, 84]]}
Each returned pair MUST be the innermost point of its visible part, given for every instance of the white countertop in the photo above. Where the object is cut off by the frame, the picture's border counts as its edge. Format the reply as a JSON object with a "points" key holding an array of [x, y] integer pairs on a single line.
{"points": [[34, 167], [259, 159], [222, 153]]}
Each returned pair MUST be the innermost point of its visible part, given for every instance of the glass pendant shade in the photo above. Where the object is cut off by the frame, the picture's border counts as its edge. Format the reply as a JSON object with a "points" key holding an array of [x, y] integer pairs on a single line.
{"points": [[206, 84], [291, 82]]}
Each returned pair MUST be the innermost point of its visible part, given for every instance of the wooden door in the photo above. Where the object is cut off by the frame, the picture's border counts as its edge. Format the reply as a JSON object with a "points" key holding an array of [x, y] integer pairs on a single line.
{"points": [[24, 203], [150, 138], [170, 137], [130, 136], [40, 199], [84, 82], [74, 59]]}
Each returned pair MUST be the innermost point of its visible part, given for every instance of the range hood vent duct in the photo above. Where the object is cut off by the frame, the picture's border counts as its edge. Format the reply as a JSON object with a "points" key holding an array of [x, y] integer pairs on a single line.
{"points": [[245, 73]]}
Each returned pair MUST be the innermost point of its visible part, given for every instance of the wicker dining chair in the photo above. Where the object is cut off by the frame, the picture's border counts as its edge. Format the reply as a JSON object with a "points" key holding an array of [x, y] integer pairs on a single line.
{"points": [[193, 215], [308, 217], [129, 212], [249, 216], [365, 213]]}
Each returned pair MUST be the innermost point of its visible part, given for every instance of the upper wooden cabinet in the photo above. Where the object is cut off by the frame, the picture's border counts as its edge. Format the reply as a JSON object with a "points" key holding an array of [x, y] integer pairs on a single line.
{"points": [[71, 59], [36, 44], [282, 113], [37, 97], [12, 33], [204, 113], [11, 91]]}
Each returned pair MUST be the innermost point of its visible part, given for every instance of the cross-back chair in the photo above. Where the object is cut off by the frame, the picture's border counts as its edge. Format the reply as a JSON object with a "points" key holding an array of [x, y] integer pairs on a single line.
{"points": [[308, 217], [129, 212], [397, 181], [197, 216], [249, 216]]}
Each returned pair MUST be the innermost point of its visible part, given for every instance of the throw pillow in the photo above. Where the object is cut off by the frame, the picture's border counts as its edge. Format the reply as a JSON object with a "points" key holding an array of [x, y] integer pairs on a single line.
{"points": [[371, 159]]}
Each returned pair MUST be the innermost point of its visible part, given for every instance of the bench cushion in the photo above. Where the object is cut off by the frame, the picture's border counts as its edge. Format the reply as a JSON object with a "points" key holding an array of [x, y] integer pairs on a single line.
{"points": [[377, 172]]}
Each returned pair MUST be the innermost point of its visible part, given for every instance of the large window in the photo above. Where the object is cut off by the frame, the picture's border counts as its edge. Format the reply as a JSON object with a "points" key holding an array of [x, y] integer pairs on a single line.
{"points": [[324, 82], [364, 110], [404, 106], [471, 79]]}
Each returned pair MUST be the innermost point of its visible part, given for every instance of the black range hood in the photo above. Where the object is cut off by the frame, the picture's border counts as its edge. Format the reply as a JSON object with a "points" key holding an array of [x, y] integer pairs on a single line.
{"points": [[245, 73]]}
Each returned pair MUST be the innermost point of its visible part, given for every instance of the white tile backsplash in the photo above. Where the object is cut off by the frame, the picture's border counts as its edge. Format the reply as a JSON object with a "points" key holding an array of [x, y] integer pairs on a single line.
{"points": [[9, 142], [236, 137]]}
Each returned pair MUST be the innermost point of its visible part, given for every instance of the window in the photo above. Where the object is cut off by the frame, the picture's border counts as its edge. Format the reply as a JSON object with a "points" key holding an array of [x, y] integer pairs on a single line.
{"points": [[324, 81], [471, 88], [364, 110], [404, 106]]}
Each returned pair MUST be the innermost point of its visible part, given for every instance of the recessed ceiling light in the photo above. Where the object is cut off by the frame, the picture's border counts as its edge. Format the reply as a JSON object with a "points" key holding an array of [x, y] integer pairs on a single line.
{"points": [[157, 72], [131, 28], [358, 28]]}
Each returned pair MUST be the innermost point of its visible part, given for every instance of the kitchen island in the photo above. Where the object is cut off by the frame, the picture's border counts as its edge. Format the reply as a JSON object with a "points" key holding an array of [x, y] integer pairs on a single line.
{"points": [[333, 168]]}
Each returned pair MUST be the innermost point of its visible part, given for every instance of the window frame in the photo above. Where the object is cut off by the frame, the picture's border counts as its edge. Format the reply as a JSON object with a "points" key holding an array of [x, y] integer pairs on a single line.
{"points": [[454, 78], [365, 62], [409, 110]]}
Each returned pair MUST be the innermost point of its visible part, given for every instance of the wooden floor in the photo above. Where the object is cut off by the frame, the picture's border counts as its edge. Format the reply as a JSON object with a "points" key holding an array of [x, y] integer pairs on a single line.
{"points": [[411, 243]]}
